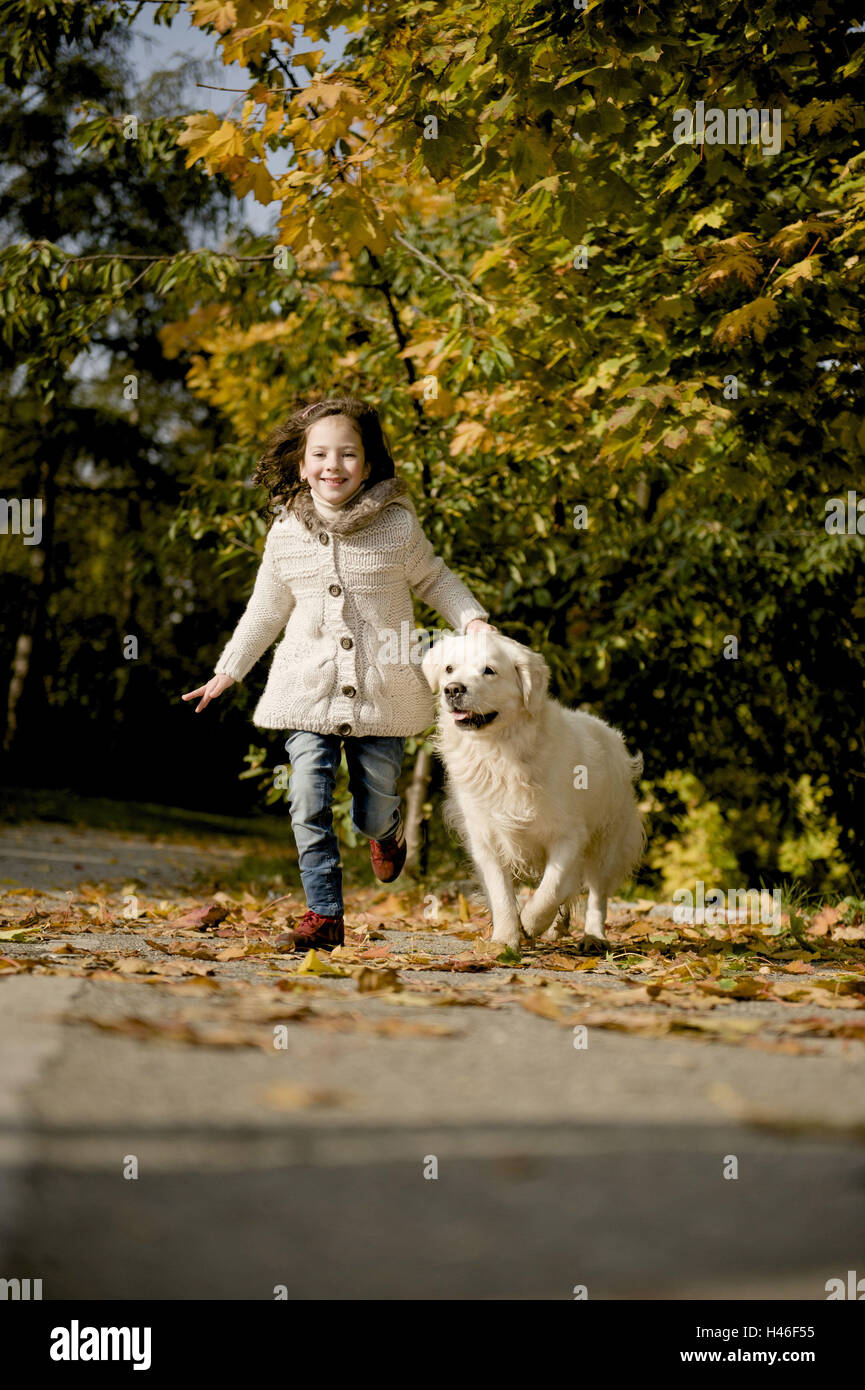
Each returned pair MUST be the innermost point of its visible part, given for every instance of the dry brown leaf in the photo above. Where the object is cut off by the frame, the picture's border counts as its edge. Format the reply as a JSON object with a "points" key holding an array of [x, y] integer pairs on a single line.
{"points": [[13, 966], [200, 1034], [439, 996], [824, 919], [395, 1027], [201, 918], [370, 980], [191, 984], [137, 965], [783, 1045], [463, 962], [845, 994], [294, 1095], [557, 961], [741, 987], [195, 951]]}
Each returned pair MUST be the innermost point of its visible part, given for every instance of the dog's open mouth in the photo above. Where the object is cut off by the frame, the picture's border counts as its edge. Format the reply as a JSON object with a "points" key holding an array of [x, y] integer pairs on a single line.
{"points": [[470, 719]]}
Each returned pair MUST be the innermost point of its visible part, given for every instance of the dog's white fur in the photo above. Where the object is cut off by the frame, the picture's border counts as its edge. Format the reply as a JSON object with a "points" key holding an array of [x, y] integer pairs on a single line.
{"points": [[511, 792]]}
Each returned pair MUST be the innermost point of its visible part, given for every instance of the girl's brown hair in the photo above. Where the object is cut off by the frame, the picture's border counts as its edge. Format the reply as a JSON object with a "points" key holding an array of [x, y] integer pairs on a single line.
{"points": [[278, 468]]}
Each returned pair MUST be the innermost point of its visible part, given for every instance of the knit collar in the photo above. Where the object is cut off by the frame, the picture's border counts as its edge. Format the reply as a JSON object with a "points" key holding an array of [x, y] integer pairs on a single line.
{"points": [[357, 512]]}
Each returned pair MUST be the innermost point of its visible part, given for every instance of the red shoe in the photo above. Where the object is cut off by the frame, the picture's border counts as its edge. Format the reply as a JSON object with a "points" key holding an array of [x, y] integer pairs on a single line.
{"points": [[313, 933], [388, 856]]}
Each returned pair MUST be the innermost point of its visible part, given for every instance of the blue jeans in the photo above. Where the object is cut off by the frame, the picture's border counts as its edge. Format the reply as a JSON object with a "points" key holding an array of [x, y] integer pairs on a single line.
{"points": [[373, 769]]}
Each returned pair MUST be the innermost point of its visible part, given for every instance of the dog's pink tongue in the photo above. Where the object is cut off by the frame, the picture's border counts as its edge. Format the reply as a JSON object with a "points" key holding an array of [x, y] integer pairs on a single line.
{"points": [[461, 714]]}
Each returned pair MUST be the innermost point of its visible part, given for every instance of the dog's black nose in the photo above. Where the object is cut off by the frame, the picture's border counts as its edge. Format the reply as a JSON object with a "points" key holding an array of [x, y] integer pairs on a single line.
{"points": [[452, 691]]}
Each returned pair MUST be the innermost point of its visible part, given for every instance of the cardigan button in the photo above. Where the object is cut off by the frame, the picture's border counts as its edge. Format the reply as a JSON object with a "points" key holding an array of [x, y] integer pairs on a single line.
{"points": [[349, 690], [344, 729], [335, 590], [346, 643], [324, 537]]}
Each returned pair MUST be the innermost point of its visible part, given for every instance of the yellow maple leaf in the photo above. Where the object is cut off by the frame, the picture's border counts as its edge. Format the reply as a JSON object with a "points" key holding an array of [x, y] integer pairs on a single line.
{"points": [[740, 265], [263, 185], [220, 13], [795, 276], [313, 965], [467, 435], [198, 131], [273, 122], [750, 320]]}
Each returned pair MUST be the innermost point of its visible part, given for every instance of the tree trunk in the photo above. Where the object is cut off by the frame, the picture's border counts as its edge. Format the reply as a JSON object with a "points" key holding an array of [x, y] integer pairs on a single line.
{"points": [[20, 667], [414, 801]]}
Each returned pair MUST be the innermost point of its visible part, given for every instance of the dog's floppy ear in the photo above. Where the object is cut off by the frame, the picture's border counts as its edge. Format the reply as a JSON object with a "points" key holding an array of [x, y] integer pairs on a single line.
{"points": [[432, 664], [533, 678]]}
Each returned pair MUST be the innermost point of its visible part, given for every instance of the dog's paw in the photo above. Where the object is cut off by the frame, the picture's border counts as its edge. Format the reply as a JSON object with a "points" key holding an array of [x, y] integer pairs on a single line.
{"points": [[511, 939], [593, 945], [531, 928]]}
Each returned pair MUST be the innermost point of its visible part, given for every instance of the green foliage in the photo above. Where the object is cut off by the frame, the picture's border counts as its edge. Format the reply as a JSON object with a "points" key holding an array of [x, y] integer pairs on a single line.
{"points": [[696, 837], [701, 846], [814, 845]]}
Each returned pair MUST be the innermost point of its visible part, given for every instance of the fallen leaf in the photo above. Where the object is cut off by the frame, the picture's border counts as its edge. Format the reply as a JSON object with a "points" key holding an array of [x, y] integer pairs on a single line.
{"points": [[370, 980], [137, 965], [294, 1095], [399, 1028], [465, 962], [199, 951], [824, 919], [740, 987], [201, 918], [312, 965], [202, 1034], [7, 963]]}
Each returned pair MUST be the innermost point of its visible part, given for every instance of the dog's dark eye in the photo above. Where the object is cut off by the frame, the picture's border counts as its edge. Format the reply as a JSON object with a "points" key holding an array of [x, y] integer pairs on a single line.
{"points": [[488, 671], [448, 670]]}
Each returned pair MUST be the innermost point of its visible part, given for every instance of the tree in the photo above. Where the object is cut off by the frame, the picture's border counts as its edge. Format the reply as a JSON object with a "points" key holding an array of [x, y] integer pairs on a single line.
{"points": [[100, 427]]}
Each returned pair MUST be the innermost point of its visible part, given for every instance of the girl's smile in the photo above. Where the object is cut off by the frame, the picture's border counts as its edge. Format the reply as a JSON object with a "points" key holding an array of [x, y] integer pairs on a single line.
{"points": [[334, 464]]}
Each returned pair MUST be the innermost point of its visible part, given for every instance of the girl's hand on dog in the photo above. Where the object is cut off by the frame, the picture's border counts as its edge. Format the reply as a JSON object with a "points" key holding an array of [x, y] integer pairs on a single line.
{"points": [[478, 625], [214, 687]]}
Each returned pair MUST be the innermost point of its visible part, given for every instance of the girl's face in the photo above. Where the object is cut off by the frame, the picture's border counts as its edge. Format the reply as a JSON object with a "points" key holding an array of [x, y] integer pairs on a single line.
{"points": [[334, 464]]}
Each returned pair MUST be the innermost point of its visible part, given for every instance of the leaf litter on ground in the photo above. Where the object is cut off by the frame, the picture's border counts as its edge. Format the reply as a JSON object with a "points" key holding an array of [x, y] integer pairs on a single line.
{"points": [[656, 978]]}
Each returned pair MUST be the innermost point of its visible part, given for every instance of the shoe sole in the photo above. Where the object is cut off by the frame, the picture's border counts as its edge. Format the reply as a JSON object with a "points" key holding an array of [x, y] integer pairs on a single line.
{"points": [[391, 877], [286, 950]]}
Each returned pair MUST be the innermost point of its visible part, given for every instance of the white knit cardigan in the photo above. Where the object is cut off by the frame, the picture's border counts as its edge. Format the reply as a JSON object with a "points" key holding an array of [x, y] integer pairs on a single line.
{"points": [[349, 659]]}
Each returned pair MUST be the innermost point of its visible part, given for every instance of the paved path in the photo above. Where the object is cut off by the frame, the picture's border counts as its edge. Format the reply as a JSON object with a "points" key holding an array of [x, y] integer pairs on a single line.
{"points": [[305, 1168]]}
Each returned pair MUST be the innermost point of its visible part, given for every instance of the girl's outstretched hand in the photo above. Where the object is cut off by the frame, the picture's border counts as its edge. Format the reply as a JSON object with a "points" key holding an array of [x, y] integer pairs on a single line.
{"points": [[214, 687]]}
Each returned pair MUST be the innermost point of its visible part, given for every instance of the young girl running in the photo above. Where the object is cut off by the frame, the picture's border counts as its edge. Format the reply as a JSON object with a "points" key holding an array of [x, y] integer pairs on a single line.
{"points": [[340, 561]]}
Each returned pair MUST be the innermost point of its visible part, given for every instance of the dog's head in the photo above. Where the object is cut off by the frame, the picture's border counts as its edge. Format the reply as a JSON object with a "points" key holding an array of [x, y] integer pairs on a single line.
{"points": [[485, 679]]}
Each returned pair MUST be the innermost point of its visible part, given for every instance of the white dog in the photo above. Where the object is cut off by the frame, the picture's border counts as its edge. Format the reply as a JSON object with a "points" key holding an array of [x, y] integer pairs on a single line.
{"points": [[536, 791]]}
